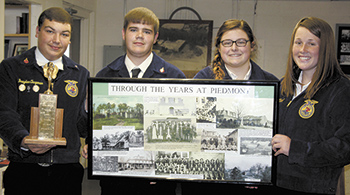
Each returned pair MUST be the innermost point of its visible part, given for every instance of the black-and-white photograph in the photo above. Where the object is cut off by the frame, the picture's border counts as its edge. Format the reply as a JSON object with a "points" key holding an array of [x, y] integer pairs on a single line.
{"points": [[345, 59], [219, 140], [168, 134], [210, 166], [112, 140], [167, 163], [136, 163], [107, 164], [136, 139], [345, 47], [171, 130], [345, 35], [255, 146], [170, 122], [170, 106], [206, 109], [244, 113], [249, 169]]}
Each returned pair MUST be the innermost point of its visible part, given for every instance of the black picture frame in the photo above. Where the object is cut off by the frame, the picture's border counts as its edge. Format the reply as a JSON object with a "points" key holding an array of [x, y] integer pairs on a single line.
{"points": [[18, 49], [185, 43], [163, 129], [343, 46]]}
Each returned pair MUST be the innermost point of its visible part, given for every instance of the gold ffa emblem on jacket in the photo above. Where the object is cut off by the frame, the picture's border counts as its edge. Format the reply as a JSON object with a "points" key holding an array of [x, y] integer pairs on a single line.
{"points": [[71, 88], [308, 109]]}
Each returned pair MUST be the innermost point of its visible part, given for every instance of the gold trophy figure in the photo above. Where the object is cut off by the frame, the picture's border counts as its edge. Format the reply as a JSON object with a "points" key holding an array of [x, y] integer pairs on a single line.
{"points": [[46, 121], [50, 72]]}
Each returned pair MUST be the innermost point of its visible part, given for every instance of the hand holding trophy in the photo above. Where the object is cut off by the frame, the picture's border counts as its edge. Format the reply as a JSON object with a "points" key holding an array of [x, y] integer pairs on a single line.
{"points": [[46, 121]]}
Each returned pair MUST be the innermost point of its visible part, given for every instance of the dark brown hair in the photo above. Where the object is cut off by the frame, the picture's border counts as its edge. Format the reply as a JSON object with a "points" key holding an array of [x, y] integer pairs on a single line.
{"points": [[57, 14], [327, 68]]}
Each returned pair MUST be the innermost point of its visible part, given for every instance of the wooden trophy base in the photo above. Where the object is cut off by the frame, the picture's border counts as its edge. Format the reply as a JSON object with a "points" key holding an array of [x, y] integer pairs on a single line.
{"points": [[33, 138]]}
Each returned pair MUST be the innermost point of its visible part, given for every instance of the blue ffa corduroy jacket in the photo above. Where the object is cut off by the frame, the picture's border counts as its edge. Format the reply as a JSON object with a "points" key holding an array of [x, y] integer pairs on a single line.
{"points": [[320, 139], [158, 68], [21, 81]]}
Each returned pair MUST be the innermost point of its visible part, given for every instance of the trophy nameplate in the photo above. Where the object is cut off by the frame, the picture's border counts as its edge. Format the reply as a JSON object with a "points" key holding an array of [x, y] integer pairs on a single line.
{"points": [[46, 120]]}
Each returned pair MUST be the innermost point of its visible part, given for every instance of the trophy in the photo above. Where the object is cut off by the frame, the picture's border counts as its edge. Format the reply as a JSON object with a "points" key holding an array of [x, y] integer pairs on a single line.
{"points": [[46, 120]]}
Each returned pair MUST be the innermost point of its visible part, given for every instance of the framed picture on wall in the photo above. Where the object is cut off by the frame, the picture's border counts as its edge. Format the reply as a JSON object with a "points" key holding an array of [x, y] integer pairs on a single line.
{"points": [[185, 43], [183, 129], [343, 46], [18, 49]]}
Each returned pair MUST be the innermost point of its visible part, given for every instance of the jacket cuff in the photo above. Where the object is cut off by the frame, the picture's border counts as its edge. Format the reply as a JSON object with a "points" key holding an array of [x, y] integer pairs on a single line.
{"points": [[297, 152], [17, 141]]}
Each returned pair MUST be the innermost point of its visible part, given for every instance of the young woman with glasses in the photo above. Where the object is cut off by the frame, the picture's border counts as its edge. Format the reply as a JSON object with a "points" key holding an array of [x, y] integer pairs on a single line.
{"points": [[235, 46]]}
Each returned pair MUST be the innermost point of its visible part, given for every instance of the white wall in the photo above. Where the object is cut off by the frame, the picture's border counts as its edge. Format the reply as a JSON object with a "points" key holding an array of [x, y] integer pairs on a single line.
{"points": [[272, 21], [276, 20]]}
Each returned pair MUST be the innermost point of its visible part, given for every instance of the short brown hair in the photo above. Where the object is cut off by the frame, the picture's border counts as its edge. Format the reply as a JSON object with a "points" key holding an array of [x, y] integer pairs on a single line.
{"points": [[142, 15], [57, 14]]}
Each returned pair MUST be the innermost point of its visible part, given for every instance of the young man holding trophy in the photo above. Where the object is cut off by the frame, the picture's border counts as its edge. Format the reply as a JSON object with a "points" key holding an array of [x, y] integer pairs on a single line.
{"points": [[42, 111]]}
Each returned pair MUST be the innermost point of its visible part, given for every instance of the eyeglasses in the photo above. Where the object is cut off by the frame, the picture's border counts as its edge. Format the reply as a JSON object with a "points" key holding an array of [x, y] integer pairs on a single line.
{"points": [[239, 42]]}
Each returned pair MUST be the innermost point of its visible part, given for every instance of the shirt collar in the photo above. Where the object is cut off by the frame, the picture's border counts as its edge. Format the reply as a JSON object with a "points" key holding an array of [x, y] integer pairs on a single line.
{"points": [[143, 66], [41, 60], [298, 87], [234, 76]]}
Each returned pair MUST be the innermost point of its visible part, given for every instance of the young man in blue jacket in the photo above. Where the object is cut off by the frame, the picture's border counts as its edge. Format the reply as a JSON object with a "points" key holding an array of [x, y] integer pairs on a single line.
{"points": [[43, 168], [140, 32]]}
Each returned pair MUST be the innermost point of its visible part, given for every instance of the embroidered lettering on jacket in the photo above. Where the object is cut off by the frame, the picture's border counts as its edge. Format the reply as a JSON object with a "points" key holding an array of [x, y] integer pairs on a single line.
{"points": [[308, 109], [25, 84], [71, 88]]}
